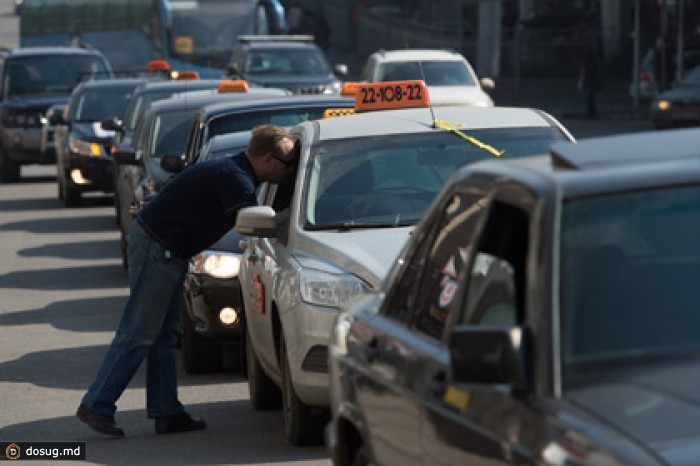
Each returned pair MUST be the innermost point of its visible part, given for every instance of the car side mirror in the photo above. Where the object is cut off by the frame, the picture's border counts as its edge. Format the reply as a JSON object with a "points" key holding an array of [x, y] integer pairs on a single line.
{"points": [[112, 124], [487, 84], [125, 156], [172, 163], [341, 69], [491, 355], [257, 221], [56, 119]]}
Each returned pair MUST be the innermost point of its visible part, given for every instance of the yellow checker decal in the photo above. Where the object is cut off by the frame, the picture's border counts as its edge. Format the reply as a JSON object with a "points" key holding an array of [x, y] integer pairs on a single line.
{"points": [[456, 397], [336, 112]]}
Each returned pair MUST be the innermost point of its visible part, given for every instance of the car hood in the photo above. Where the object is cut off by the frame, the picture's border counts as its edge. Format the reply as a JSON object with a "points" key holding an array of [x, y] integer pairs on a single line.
{"points": [[91, 131], [659, 409], [366, 253], [463, 95], [681, 93]]}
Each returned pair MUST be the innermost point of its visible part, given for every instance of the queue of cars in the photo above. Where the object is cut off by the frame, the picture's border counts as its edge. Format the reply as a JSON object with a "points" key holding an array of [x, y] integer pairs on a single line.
{"points": [[439, 283]]}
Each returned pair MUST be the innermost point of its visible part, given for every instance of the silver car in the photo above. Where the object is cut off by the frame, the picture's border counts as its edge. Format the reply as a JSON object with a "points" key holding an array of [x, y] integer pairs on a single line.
{"points": [[330, 235]]}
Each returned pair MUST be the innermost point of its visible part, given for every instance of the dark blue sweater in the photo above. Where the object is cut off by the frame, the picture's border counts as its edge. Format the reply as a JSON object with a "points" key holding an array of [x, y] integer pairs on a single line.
{"points": [[199, 205]]}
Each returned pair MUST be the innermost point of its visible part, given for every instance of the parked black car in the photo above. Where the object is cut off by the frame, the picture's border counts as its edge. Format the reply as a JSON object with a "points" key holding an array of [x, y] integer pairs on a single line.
{"points": [[543, 312], [83, 147], [33, 79]]}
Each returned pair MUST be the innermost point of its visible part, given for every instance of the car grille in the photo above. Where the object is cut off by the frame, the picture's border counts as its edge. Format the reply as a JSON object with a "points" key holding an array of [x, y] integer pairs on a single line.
{"points": [[311, 89]]}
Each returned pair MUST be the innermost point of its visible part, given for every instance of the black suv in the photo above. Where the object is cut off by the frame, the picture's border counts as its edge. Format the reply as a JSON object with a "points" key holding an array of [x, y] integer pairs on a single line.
{"points": [[33, 79], [292, 62]]}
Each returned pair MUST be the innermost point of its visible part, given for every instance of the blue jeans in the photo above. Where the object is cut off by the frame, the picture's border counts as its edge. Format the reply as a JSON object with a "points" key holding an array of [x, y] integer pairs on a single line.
{"points": [[148, 328]]}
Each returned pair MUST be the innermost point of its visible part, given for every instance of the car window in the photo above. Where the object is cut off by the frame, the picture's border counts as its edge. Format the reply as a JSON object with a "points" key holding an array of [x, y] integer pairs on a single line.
{"points": [[50, 74], [286, 61], [444, 263], [496, 281], [434, 73], [237, 122], [99, 104], [170, 132]]}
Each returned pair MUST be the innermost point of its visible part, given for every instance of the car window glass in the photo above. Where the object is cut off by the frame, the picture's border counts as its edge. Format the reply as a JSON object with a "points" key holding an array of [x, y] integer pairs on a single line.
{"points": [[496, 279], [444, 263], [170, 132], [434, 73]]}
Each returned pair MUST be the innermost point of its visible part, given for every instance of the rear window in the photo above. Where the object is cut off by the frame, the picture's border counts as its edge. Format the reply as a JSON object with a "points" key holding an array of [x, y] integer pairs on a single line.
{"points": [[50, 74]]}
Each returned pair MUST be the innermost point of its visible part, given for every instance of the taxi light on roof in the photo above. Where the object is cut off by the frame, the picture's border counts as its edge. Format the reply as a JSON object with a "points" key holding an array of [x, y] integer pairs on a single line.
{"points": [[158, 65], [390, 95], [233, 86], [349, 88], [335, 112], [185, 75]]}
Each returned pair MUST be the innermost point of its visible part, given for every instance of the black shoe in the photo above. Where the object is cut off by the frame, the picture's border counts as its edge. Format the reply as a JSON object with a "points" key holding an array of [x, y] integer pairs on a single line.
{"points": [[99, 422], [182, 422]]}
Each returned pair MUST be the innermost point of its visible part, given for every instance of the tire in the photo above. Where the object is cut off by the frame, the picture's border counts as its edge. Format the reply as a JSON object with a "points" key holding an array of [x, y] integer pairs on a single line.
{"points": [[199, 356], [124, 248], [264, 394], [361, 457], [301, 425], [9, 169]]}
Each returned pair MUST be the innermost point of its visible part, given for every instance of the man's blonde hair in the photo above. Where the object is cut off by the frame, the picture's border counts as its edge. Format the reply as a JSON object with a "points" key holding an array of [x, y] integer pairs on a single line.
{"points": [[266, 139]]}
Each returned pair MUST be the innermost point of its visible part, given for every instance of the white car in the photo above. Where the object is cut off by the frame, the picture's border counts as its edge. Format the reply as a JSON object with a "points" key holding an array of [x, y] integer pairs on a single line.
{"points": [[331, 233], [450, 78]]}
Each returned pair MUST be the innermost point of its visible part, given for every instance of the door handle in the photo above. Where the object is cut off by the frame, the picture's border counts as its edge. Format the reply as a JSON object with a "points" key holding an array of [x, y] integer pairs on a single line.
{"points": [[372, 349]]}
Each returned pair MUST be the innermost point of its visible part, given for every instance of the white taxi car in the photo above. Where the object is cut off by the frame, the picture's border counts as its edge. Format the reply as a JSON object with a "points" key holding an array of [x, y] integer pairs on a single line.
{"points": [[448, 74], [331, 233]]}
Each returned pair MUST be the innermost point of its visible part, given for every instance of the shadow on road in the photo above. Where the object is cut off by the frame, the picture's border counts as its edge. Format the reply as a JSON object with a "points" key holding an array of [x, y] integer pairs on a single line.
{"points": [[67, 278], [233, 436], [92, 250], [84, 224]]}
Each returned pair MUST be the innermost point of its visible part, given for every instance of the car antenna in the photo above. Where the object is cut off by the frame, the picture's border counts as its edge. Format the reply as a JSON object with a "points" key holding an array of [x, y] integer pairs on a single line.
{"points": [[430, 104]]}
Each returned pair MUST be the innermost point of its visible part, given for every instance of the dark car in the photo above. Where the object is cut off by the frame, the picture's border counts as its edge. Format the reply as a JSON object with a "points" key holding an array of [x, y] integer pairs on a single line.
{"points": [[292, 62], [543, 312], [679, 106], [33, 79], [213, 311], [162, 130], [231, 117], [83, 148]]}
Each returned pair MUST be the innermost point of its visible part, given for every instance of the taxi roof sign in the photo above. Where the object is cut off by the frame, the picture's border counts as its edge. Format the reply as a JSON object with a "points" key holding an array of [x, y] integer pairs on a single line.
{"points": [[349, 88], [158, 65], [237, 85], [391, 95], [335, 112], [186, 75]]}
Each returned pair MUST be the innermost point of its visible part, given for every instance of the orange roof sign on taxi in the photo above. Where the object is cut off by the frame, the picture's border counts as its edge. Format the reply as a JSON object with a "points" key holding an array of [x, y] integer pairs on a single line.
{"points": [[391, 95], [158, 65], [237, 85]]}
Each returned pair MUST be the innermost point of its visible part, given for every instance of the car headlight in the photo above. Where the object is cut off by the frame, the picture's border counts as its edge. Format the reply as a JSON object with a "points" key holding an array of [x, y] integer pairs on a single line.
{"points": [[663, 105], [217, 264], [332, 88], [330, 290], [85, 148]]}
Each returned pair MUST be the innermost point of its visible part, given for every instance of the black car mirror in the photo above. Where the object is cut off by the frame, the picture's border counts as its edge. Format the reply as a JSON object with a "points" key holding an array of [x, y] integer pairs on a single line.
{"points": [[112, 124], [56, 119], [490, 355], [172, 163], [125, 156]]}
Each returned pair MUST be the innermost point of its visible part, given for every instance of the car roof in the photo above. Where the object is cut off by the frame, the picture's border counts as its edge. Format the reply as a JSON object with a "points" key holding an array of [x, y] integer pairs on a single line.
{"points": [[607, 164], [57, 50], [110, 83], [178, 85], [417, 120], [185, 100], [267, 45], [271, 103], [416, 54]]}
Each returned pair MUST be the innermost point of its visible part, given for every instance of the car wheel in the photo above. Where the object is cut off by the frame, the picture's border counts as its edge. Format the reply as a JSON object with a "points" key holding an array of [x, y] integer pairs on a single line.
{"points": [[264, 394], [361, 457], [301, 425], [199, 355], [9, 169]]}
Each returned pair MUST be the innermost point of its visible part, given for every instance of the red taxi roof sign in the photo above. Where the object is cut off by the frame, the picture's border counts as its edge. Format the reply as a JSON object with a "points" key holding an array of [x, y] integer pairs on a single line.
{"points": [[391, 95], [186, 75], [158, 65], [237, 85], [349, 88]]}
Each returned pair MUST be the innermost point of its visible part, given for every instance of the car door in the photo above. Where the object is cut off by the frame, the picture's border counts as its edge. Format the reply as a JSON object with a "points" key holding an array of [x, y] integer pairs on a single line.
{"points": [[483, 424], [400, 343]]}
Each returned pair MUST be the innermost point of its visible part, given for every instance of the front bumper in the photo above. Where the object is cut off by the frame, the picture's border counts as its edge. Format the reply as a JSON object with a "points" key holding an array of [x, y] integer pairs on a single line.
{"points": [[23, 145], [205, 297], [97, 173]]}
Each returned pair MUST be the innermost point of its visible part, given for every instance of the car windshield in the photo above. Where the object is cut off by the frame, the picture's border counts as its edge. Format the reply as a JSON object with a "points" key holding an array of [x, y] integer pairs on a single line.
{"points": [[355, 183], [49, 74], [170, 131], [100, 104], [286, 61], [629, 267], [434, 73]]}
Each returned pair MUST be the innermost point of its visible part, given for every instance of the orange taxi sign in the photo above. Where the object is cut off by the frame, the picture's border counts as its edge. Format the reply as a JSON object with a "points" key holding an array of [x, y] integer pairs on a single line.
{"points": [[349, 88], [186, 75], [390, 95], [158, 65], [237, 85]]}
